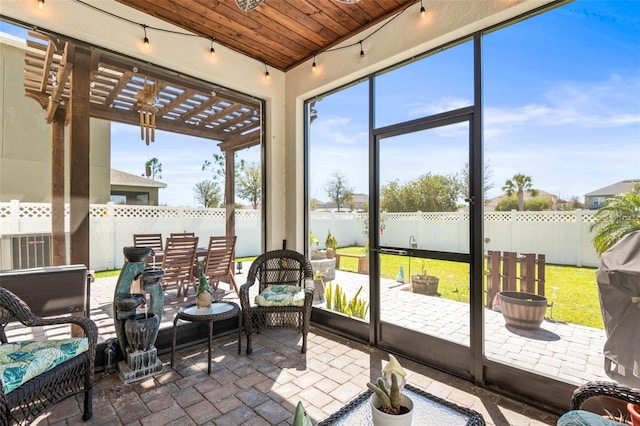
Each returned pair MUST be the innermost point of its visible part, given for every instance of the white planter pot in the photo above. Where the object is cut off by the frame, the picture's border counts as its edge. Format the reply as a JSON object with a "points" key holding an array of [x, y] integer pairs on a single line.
{"points": [[381, 418]]}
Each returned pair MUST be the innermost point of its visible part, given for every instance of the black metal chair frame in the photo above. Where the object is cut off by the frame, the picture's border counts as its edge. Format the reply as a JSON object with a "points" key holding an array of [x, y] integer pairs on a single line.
{"points": [[29, 400], [271, 268]]}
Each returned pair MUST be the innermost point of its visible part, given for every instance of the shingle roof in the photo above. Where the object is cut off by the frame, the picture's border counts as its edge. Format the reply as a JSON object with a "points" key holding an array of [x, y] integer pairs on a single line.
{"points": [[614, 189], [122, 178]]}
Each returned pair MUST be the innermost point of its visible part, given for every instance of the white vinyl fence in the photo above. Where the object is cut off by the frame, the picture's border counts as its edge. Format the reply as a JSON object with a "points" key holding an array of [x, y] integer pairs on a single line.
{"points": [[563, 237]]}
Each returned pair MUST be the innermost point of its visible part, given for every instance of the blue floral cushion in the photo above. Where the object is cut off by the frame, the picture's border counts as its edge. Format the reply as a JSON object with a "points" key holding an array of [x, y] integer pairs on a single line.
{"points": [[22, 361], [281, 295]]}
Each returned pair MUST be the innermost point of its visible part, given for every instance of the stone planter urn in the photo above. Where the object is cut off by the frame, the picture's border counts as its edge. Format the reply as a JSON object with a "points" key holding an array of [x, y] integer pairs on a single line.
{"points": [[523, 310], [142, 331]]}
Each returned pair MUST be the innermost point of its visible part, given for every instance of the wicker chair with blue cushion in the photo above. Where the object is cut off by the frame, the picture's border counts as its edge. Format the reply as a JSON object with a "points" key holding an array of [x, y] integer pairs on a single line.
{"points": [[34, 375], [594, 399], [285, 287]]}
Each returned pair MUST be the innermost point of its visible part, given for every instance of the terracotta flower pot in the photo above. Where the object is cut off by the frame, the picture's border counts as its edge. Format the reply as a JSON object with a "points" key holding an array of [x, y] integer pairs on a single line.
{"points": [[634, 412]]}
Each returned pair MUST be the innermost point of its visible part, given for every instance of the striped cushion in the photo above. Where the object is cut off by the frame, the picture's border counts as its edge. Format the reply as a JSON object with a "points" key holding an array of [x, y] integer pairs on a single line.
{"points": [[22, 361]]}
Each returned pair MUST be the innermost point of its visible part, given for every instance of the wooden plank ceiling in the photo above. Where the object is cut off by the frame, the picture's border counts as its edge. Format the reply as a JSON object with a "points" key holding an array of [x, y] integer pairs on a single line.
{"points": [[281, 33], [183, 106]]}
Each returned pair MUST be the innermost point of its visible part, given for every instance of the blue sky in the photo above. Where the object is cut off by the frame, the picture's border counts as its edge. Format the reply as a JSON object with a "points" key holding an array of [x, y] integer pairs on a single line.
{"points": [[562, 105], [181, 158]]}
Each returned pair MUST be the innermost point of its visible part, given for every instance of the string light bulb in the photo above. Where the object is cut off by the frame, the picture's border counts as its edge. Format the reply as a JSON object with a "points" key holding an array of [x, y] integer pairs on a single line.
{"points": [[266, 72], [212, 50], [146, 39], [361, 50], [313, 66], [423, 11], [40, 4]]}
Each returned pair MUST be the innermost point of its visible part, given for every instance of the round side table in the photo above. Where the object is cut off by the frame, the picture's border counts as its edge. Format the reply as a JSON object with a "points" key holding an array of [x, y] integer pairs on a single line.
{"points": [[218, 311]]}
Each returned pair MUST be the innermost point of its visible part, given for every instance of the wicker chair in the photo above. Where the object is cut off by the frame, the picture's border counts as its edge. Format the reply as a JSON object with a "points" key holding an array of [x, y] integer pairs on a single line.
{"points": [[25, 403], [599, 398], [271, 268]]}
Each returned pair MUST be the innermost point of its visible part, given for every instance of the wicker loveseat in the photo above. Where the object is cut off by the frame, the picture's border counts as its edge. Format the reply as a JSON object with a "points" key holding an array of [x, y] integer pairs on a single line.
{"points": [[22, 404], [289, 271]]}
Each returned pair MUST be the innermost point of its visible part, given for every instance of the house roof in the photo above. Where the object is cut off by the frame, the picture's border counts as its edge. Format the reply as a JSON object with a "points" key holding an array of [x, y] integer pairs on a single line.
{"points": [[122, 178], [614, 189]]}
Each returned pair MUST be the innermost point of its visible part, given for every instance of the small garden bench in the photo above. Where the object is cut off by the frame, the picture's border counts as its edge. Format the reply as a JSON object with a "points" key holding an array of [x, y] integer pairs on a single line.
{"points": [[34, 375]]}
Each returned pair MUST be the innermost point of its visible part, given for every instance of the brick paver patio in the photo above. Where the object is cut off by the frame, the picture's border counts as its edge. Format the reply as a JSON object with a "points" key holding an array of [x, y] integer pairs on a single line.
{"points": [[264, 387]]}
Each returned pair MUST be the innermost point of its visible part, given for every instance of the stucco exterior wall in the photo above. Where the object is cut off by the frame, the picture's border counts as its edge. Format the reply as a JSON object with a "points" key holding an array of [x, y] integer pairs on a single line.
{"points": [[25, 142]]}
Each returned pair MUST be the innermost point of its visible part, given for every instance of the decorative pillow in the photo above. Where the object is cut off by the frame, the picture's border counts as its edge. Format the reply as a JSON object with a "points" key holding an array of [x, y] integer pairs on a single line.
{"points": [[22, 361], [281, 295]]}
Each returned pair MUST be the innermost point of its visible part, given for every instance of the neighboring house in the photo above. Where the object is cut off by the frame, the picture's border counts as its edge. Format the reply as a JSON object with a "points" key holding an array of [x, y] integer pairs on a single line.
{"points": [[132, 189], [595, 199], [491, 203]]}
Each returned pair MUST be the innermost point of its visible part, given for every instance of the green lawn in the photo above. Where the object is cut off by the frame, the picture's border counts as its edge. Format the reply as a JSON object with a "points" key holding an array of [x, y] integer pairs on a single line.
{"points": [[573, 291]]}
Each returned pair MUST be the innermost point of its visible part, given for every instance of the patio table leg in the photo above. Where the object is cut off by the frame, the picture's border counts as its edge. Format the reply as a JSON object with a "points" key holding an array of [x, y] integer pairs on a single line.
{"points": [[240, 333], [210, 337]]}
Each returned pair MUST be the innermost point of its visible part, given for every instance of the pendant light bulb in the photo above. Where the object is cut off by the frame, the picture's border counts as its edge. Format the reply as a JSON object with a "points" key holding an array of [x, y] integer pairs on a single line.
{"points": [[313, 66], [145, 40], [266, 72], [40, 4], [361, 50], [423, 11], [212, 50]]}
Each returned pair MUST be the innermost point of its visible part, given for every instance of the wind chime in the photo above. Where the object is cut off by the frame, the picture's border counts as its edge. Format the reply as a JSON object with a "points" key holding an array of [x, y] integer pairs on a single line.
{"points": [[146, 104]]}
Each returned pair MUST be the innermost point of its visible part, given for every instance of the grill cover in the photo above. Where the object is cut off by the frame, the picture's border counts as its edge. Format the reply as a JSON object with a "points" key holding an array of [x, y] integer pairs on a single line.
{"points": [[619, 287]]}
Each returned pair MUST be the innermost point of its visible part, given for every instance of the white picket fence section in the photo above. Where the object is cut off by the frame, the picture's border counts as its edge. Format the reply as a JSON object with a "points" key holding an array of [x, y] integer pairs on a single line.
{"points": [[564, 237]]}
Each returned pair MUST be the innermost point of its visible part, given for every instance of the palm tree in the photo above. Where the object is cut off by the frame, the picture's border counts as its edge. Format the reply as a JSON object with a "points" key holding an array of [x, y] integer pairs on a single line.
{"points": [[518, 184], [619, 216]]}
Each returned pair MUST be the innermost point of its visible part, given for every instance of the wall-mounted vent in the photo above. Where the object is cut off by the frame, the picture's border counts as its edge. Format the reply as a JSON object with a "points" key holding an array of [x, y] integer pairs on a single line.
{"points": [[31, 251]]}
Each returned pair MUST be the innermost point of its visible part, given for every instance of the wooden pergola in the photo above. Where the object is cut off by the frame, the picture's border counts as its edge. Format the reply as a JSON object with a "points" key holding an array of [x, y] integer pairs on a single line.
{"points": [[73, 83]]}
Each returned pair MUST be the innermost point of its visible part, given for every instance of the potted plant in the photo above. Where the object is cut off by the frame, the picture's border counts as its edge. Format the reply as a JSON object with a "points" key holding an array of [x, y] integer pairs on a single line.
{"points": [[389, 406], [424, 284], [331, 243]]}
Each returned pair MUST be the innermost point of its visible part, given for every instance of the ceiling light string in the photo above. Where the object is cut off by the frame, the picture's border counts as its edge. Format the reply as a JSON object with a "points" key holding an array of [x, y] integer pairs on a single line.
{"points": [[359, 42], [212, 39]]}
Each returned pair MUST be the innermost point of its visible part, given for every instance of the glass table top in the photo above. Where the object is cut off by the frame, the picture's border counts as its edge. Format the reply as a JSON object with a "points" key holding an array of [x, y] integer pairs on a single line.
{"points": [[428, 410]]}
